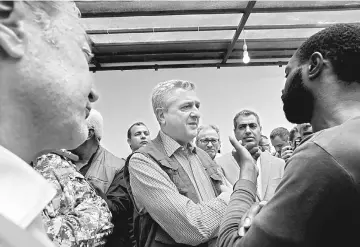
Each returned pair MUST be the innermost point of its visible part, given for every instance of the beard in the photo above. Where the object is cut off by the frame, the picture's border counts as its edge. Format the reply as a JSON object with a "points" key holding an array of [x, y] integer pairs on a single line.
{"points": [[298, 101]]}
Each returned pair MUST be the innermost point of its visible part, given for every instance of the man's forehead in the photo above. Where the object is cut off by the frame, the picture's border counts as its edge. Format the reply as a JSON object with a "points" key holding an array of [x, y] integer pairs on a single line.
{"points": [[137, 128], [247, 119], [181, 95], [208, 132], [278, 140]]}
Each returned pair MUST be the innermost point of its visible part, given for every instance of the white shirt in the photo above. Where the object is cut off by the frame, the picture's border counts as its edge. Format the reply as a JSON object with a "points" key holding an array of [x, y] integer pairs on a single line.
{"points": [[259, 178], [24, 193]]}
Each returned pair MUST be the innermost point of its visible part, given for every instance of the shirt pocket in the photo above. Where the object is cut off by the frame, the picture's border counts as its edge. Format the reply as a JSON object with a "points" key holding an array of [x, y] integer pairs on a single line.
{"points": [[177, 180]]}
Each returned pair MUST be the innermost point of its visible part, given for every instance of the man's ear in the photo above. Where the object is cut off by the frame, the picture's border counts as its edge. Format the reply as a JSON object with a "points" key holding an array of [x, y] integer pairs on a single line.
{"points": [[128, 140], [315, 66], [91, 134], [160, 115], [12, 36]]}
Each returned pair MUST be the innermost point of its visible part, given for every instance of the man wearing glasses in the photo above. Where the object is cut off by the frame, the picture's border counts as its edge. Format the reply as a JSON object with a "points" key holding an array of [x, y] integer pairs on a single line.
{"points": [[208, 139]]}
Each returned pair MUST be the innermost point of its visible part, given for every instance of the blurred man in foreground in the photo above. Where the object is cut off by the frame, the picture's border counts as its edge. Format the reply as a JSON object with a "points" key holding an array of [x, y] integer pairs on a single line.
{"points": [[45, 96]]}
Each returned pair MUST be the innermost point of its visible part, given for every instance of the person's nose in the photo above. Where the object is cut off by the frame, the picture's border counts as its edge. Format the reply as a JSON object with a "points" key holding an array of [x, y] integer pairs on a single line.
{"points": [[93, 96], [248, 130], [195, 113]]}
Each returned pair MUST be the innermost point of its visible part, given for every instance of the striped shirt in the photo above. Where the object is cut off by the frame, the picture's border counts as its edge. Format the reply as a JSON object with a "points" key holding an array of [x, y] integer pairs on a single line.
{"points": [[185, 221]]}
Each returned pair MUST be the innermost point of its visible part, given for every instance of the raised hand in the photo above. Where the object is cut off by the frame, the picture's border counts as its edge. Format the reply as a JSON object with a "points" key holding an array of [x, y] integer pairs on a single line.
{"points": [[253, 149], [286, 153], [245, 161]]}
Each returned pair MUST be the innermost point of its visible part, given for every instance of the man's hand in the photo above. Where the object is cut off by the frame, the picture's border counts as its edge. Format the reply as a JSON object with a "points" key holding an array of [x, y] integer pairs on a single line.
{"points": [[286, 153], [245, 161], [225, 188], [248, 217], [254, 150]]}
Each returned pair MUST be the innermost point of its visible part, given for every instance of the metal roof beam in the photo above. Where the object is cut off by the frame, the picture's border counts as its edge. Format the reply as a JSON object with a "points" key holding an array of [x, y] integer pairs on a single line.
{"points": [[102, 9], [181, 52], [285, 9], [240, 27], [207, 28], [184, 66]]}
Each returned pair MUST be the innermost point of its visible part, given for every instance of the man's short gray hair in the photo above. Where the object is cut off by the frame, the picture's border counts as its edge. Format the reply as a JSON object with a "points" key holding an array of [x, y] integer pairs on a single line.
{"points": [[95, 122], [161, 92], [51, 7], [245, 113], [208, 126]]}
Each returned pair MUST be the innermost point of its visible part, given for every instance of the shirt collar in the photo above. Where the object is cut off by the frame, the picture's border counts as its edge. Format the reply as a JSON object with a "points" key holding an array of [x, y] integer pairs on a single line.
{"points": [[171, 146]]}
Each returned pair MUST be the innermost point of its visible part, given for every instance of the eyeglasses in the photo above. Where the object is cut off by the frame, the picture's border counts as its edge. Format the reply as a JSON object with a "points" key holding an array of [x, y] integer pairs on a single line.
{"points": [[206, 141]]}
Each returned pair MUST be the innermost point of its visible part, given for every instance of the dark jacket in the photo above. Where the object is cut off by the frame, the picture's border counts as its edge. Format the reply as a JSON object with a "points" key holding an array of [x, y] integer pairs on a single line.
{"points": [[146, 231]]}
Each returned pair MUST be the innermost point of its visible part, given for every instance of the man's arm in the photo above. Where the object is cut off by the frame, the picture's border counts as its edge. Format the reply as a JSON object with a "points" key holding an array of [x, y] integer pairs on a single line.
{"points": [[185, 221], [76, 214], [116, 197], [310, 180]]}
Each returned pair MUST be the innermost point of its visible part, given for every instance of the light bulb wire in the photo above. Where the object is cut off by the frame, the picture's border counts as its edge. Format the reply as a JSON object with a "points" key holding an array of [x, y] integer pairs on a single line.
{"points": [[244, 41]]}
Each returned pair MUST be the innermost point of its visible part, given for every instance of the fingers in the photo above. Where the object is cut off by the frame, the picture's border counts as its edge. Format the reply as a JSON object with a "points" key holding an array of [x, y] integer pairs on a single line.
{"points": [[250, 146], [225, 188], [236, 144], [263, 203], [287, 154], [253, 150], [248, 217], [285, 148]]}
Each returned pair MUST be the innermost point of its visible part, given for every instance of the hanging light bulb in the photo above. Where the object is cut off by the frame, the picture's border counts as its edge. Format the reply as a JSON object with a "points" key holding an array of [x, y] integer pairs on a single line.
{"points": [[246, 57]]}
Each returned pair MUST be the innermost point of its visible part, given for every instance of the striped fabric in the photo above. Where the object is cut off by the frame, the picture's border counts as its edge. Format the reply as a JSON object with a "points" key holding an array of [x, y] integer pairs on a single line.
{"points": [[185, 221]]}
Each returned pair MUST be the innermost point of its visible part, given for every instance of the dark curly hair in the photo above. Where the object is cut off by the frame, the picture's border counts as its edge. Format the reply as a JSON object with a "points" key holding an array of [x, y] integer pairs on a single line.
{"points": [[340, 44]]}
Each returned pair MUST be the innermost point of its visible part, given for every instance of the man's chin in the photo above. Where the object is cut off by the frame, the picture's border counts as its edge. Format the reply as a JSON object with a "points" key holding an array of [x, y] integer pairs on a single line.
{"points": [[249, 142], [210, 152], [295, 118]]}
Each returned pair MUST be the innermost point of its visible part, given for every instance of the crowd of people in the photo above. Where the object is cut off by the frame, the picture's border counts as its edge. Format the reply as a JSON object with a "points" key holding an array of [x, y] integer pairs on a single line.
{"points": [[60, 187]]}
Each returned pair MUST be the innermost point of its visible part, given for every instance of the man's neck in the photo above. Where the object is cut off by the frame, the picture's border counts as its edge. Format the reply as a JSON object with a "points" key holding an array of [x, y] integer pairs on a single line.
{"points": [[17, 133], [181, 143], [86, 154], [335, 113]]}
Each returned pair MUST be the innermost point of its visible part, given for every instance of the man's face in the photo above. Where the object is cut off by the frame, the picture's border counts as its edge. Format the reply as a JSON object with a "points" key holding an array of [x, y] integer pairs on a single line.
{"points": [[139, 137], [278, 143], [52, 80], [181, 119], [208, 140], [248, 130], [298, 101]]}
